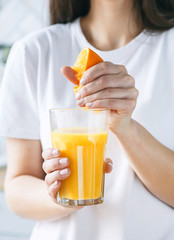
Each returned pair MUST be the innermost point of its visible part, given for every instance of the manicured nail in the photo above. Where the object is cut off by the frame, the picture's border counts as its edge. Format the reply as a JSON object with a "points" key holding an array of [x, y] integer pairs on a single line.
{"points": [[80, 102], [55, 184], [64, 171], [110, 164], [63, 161], [78, 96], [55, 152], [89, 104], [83, 82]]}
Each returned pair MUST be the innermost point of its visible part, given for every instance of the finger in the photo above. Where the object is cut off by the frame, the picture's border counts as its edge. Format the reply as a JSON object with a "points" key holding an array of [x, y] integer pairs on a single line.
{"points": [[58, 175], [100, 69], [124, 105], [119, 93], [50, 153], [70, 74], [53, 190], [108, 166], [107, 81], [55, 164]]}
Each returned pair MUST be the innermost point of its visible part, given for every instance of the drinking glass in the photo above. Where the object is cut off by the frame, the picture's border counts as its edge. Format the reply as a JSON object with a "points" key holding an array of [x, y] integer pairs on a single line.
{"points": [[81, 136]]}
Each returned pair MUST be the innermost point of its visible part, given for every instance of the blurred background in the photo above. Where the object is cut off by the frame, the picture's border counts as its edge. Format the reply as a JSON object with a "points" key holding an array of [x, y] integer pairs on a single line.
{"points": [[17, 19]]}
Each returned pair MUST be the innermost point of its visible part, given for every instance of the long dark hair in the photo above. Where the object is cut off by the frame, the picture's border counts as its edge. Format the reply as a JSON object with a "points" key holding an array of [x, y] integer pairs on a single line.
{"points": [[155, 15]]}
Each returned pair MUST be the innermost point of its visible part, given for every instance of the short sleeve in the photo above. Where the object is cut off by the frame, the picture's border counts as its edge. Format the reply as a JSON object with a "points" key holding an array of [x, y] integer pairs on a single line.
{"points": [[19, 116]]}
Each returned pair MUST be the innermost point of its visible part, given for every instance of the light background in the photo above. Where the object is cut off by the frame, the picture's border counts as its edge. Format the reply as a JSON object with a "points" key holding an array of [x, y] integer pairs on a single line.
{"points": [[17, 19]]}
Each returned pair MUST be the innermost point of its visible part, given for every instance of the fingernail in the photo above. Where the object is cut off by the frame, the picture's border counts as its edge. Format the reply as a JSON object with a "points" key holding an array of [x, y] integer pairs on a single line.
{"points": [[78, 96], [89, 104], [63, 161], [55, 183], [80, 102], [55, 152], [110, 164], [83, 82], [64, 171]]}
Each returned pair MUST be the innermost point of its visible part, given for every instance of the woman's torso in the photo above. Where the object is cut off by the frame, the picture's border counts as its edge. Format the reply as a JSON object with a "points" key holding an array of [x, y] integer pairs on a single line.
{"points": [[129, 211]]}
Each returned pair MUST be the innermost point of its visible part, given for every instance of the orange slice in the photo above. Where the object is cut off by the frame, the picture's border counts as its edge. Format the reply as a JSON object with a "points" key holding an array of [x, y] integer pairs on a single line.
{"points": [[86, 59]]}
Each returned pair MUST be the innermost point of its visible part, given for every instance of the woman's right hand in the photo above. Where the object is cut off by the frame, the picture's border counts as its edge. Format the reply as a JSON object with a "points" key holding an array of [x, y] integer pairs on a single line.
{"points": [[56, 169]]}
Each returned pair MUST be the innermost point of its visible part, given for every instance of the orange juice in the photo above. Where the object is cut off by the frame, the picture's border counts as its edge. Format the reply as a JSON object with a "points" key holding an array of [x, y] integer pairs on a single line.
{"points": [[85, 152]]}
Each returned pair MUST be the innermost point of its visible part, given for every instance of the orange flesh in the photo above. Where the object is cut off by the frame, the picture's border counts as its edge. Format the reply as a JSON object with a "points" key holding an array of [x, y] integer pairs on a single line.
{"points": [[86, 59]]}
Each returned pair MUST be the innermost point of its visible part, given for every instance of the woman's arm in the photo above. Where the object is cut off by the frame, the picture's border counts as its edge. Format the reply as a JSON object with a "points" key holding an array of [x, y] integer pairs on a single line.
{"points": [[152, 161], [25, 188], [27, 194], [107, 85]]}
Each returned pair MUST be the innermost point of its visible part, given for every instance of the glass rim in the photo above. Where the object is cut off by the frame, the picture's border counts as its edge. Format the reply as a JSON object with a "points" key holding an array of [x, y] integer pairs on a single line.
{"points": [[78, 109]]}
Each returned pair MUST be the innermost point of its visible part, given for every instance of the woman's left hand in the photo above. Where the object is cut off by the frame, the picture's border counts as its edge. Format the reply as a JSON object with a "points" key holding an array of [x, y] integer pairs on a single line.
{"points": [[109, 86]]}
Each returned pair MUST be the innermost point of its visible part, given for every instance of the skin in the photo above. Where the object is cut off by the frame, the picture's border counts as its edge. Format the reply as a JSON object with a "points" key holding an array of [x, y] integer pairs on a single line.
{"points": [[106, 85], [108, 36], [27, 194]]}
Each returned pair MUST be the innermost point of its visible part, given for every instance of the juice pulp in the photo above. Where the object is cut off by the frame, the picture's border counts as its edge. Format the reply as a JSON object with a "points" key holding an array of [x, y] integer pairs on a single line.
{"points": [[85, 152]]}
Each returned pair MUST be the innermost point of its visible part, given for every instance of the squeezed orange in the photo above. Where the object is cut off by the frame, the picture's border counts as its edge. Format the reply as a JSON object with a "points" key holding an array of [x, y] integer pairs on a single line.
{"points": [[85, 152]]}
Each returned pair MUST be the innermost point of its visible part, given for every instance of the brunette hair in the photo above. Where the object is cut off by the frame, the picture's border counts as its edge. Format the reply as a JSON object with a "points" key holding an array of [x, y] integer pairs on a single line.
{"points": [[155, 15]]}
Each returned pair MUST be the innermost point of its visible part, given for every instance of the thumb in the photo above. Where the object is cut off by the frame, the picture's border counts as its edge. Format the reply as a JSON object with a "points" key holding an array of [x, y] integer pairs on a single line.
{"points": [[70, 74]]}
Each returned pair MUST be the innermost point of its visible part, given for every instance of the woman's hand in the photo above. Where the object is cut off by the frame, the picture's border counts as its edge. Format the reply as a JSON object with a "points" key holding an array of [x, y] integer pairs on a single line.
{"points": [[107, 85], [57, 169]]}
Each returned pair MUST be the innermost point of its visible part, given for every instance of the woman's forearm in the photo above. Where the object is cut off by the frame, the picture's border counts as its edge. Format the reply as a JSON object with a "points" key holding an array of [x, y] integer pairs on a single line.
{"points": [[28, 197], [152, 161]]}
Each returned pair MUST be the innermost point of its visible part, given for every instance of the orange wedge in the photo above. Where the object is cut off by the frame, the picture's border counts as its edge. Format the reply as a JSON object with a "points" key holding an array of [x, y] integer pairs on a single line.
{"points": [[86, 59]]}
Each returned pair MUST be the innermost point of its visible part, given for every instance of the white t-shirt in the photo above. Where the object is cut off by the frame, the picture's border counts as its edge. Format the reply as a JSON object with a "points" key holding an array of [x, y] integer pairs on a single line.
{"points": [[33, 84]]}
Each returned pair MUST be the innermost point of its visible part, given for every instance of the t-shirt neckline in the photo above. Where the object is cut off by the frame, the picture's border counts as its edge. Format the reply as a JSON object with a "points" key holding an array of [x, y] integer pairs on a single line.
{"points": [[119, 52]]}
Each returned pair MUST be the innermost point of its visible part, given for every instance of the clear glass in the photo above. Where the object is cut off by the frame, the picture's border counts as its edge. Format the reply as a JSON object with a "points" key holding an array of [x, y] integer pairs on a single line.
{"points": [[81, 136]]}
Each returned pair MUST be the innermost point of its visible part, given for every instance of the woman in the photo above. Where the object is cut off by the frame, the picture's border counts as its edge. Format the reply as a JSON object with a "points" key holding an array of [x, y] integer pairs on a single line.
{"points": [[135, 39]]}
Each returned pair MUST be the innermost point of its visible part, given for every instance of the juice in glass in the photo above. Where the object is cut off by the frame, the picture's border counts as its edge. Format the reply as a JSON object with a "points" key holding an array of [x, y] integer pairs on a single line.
{"points": [[86, 153], [81, 137]]}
